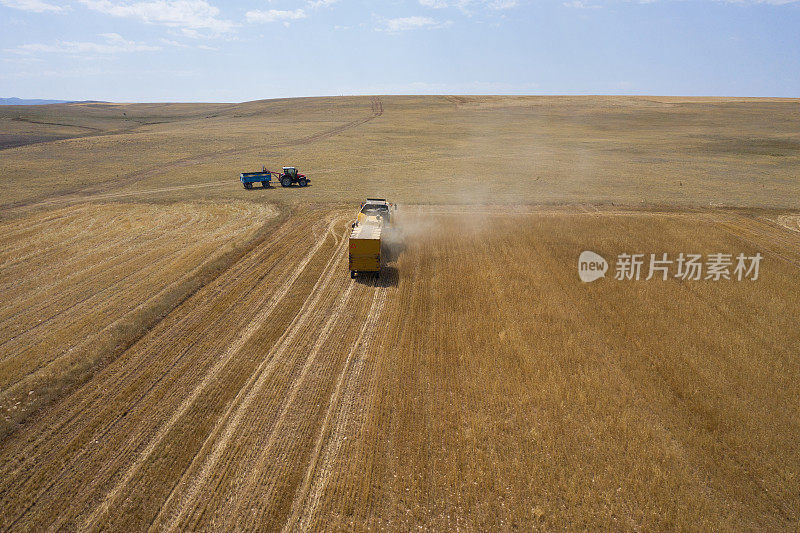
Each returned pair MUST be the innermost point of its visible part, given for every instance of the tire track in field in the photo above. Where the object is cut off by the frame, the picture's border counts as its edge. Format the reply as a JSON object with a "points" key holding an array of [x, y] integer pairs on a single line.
{"points": [[92, 332], [316, 478], [158, 190], [775, 231], [163, 341], [255, 324], [761, 237], [135, 280], [175, 258], [83, 404], [234, 273], [288, 402], [788, 221], [86, 294], [334, 318], [30, 240], [98, 257], [377, 110], [89, 191], [217, 229], [349, 409], [223, 432]]}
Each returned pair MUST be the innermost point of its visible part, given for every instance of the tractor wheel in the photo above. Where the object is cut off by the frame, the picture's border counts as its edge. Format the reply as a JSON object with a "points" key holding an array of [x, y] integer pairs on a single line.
{"points": [[302, 182], [286, 181], [265, 184]]}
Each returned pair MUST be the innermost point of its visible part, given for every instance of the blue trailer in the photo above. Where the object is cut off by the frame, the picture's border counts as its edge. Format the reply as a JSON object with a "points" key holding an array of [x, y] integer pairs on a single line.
{"points": [[249, 178], [287, 178]]}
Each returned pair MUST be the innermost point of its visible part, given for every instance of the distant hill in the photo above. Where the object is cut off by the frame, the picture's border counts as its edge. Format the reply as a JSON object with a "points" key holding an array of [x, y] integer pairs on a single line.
{"points": [[34, 101], [21, 101]]}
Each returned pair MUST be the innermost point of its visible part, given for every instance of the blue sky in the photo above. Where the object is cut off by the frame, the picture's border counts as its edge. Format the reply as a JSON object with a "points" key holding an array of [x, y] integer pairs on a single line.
{"points": [[208, 50]]}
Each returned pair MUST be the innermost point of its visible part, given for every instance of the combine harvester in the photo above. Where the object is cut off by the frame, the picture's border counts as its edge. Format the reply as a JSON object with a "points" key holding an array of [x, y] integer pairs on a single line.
{"points": [[365, 236], [286, 178]]}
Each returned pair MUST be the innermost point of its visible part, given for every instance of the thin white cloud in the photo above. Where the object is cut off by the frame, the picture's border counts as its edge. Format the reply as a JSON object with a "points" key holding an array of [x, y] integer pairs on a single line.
{"points": [[189, 14], [177, 44], [580, 4], [314, 4], [88, 72], [36, 6], [427, 87], [114, 43], [584, 4], [397, 25], [274, 15], [170, 42], [497, 5]]}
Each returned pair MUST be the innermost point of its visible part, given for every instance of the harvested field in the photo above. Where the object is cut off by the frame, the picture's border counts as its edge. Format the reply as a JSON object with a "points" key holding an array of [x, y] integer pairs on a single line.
{"points": [[178, 353], [284, 395], [632, 151], [83, 283]]}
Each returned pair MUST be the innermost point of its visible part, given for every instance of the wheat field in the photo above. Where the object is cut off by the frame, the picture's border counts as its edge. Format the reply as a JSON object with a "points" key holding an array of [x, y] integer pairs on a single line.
{"points": [[179, 353]]}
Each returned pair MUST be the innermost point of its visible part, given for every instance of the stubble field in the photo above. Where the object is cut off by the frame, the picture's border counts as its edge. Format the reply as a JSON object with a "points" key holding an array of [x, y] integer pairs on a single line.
{"points": [[179, 353]]}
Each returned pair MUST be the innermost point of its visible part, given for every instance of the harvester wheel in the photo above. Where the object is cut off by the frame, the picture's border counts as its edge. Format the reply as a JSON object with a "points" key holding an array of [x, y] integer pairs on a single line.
{"points": [[302, 182], [286, 181]]}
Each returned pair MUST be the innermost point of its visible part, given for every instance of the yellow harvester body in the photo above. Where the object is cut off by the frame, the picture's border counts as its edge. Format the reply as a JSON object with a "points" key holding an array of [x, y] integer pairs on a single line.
{"points": [[365, 237], [365, 246]]}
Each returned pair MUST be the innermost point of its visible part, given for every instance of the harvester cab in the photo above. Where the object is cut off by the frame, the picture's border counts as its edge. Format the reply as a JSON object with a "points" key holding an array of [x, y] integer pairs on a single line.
{"points": [[374, 209]]}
